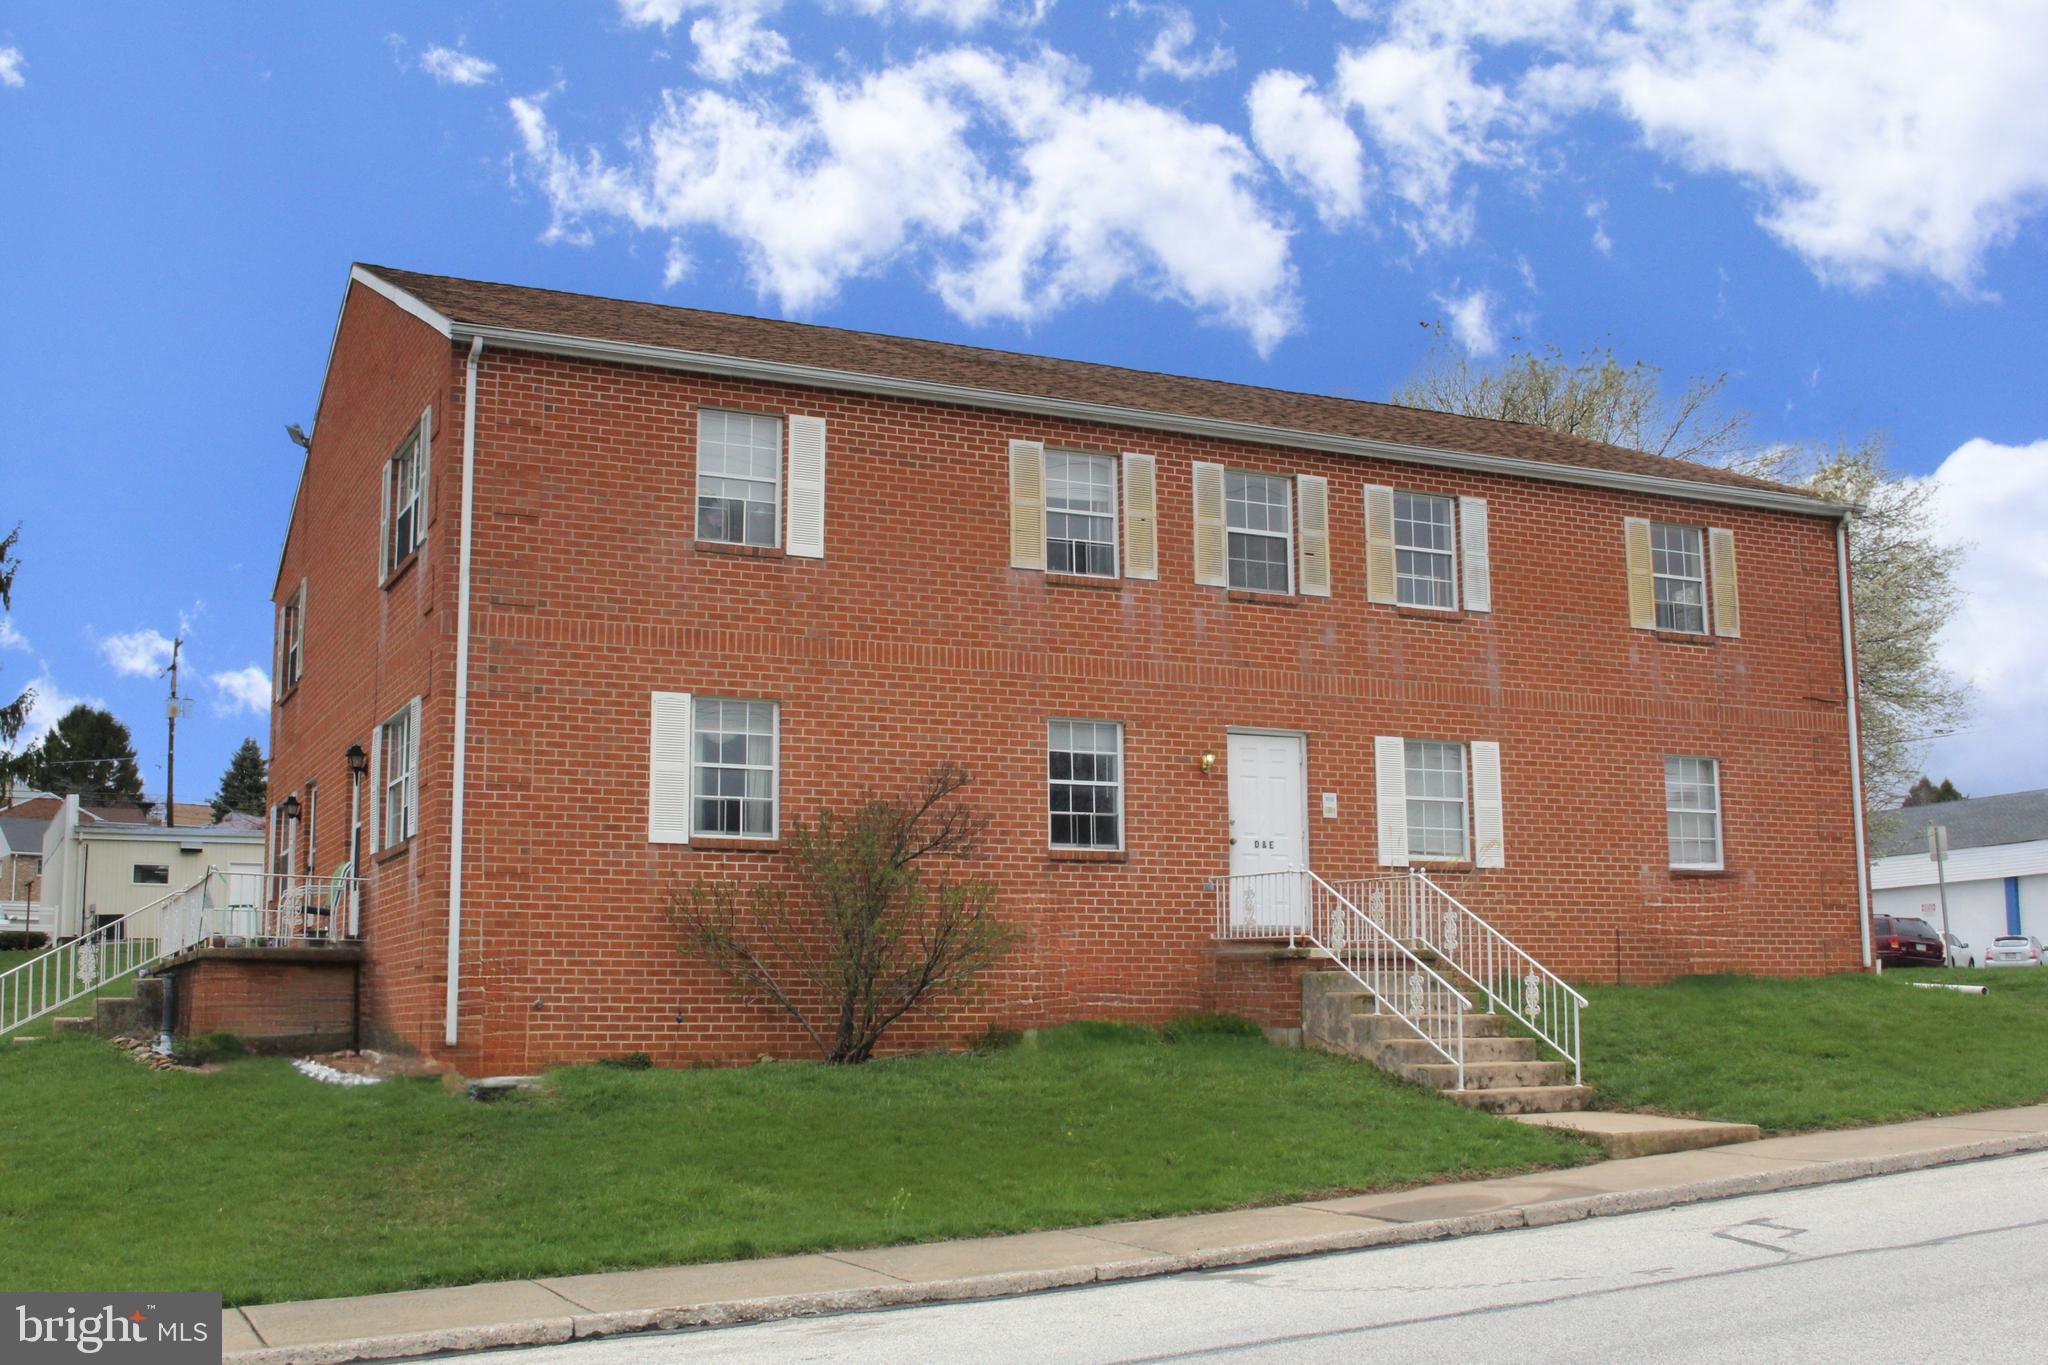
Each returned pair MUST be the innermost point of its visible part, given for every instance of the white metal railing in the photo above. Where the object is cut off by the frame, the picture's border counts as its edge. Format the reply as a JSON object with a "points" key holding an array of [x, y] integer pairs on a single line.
{"points": [[1414, 909], [26, 917], [224, 909], [1298, 904]]}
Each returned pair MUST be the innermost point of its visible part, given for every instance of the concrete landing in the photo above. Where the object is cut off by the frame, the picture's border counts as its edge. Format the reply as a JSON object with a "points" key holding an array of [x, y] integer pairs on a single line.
{"points": [[1623, 1135]]}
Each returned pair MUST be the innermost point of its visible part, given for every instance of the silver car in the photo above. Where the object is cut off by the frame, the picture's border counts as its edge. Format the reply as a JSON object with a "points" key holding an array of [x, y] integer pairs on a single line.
{"points": [[2014, 950]]}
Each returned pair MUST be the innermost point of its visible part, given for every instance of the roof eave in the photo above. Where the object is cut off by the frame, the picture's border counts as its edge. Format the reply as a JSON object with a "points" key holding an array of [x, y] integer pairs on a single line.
{"points": [[741, 367]]}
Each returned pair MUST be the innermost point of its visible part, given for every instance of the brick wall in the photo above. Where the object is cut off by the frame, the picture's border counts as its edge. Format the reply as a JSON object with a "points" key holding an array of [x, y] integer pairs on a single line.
{"points": [[913, 642], [264, 998]]}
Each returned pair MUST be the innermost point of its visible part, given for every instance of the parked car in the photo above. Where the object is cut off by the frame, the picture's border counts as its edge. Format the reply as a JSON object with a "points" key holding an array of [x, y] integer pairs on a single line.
{"points": [[1903, 941], [1960, 954], [2014, 950]]}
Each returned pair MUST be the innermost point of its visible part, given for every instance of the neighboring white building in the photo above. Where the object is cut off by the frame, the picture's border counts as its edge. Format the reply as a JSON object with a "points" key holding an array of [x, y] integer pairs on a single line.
{"points": [[1997, 868], [97, 871]]}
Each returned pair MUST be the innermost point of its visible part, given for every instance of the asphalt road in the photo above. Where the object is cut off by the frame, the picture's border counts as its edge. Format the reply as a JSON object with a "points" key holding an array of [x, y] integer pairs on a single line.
{"points": [[1947, 1264]]}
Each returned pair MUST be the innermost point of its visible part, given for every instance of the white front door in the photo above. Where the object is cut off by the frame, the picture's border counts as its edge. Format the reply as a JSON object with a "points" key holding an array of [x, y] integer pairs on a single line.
{"points": [[1268, 828]]}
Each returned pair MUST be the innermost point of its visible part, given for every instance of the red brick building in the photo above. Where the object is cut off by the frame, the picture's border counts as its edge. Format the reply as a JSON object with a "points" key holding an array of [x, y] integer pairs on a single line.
{"points": [[722, 572]]}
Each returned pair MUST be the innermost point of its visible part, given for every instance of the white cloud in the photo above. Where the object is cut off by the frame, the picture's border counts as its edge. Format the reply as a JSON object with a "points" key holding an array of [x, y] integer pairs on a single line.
{"points": [[137, 654], [49, 706], [1011, 223], [1429, 116], [1472, 322], [731, 36], [241, 690], [1309, 143], [1994, 499], [1883, 138], [11, 64], [10, 638], [1173, 48], [453, 66], [1596, 214]]}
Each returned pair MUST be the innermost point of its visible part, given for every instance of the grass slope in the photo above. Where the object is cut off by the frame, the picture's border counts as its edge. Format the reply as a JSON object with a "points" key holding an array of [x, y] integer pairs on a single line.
{"points": [[266, 1186], [1820, 1053], [41, 1028]]}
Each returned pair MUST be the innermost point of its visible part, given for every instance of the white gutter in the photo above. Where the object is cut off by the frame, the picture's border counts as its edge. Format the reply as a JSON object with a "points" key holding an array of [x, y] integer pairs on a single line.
{"points": [[742, 367], [1855, 735], [451, 1026]]}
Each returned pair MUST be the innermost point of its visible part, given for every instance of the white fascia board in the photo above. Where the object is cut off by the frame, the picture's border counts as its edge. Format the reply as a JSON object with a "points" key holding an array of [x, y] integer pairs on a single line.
{"points": [[159, 834], [1993, 862], [739, 367]]}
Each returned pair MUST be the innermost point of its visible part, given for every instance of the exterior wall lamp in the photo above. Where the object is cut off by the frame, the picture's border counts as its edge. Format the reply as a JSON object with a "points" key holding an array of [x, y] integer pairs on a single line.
{"points": [[1208, 763]]}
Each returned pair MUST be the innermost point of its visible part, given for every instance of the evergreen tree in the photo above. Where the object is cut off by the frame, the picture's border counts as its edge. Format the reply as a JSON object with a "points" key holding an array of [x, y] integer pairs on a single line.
{"points": [[245, 786], [90, 753], [1925, 793]]}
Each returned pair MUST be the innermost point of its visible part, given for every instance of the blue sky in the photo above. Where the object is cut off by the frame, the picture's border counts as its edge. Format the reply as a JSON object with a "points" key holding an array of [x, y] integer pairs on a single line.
{"points": [[1839, 206]]}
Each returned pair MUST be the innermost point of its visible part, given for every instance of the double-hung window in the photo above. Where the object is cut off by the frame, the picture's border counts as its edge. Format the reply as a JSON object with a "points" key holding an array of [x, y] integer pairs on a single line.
{"points": [[1425, 565], [404, 518], [739, 478], [1258, 514], [733, 755], [1080, 514], [401, 791], [1436, 800], [1678, 561], [1085, 783], [1692, 813], [292, 650]]}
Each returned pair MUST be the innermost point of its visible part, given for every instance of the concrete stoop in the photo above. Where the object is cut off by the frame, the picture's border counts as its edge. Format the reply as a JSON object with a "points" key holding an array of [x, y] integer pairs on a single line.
{"points": [[116, 1016], [1504, 1073]]}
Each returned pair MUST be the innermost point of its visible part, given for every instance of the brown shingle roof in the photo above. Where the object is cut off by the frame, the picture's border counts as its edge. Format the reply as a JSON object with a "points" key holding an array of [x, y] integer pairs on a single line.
{"points": [[587, 317]]}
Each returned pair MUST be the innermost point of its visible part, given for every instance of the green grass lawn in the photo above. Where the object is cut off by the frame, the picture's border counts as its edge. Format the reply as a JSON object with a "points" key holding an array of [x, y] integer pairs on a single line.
{"points": [[261, 1184], [1820, 1053]]}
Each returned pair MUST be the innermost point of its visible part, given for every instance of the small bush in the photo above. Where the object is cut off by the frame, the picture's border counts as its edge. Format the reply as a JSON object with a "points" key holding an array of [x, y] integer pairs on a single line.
{"points": [[209, 1047], [1184, 1028], [993, 1039], [16, 941], [631, 1061]]}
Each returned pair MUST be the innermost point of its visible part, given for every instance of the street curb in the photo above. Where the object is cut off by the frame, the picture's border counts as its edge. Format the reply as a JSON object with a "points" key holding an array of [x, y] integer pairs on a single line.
{"points": [[554, 1330]]}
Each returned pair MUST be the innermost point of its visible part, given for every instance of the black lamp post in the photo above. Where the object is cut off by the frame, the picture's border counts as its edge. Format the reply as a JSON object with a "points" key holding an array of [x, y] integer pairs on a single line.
{"points": [[358, 767]]}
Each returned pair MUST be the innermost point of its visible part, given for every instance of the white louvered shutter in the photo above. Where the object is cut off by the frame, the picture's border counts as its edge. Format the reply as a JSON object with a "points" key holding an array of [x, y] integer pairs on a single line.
{"points": [[277, 659], [1727, 591], [1379, 545], [1312, 497], [1141, 516], [1027, 505], [1212, 563], [376, 791], [668, 769], [412, 768], [426, 507], [1642, 583], [806, 535], [1478, 566], [1488, 828], [303, 637], [1390, 784]]}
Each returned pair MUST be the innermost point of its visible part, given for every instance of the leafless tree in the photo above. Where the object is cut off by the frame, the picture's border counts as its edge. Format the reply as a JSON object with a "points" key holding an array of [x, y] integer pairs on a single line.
{"points": [[868, 932]]}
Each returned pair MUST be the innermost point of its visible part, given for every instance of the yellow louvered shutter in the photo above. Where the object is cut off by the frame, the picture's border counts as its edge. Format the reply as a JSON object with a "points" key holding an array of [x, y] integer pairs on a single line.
{"points": [[1212, 565], [1727, 591], [1027, 505], [1141, 516], [1312, 495], [1379, 545], [1642, 583]]}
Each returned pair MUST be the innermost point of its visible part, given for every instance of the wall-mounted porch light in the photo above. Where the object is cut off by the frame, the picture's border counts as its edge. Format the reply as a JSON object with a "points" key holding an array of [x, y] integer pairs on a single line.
{"points": [[1208, 762]]}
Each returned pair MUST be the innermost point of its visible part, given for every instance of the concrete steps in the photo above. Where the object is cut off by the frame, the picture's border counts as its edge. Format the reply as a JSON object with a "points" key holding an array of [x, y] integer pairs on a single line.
{"points": [[1504, 1073]]}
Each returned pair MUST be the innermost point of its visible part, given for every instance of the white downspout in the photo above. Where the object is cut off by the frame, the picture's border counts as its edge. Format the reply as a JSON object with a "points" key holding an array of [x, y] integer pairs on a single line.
{"points": [[476, 350], [1855, 733]]}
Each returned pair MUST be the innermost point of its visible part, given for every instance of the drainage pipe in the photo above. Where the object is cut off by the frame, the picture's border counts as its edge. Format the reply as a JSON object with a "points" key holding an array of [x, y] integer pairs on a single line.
{"points": [[451, 1021], [1855, 735]]}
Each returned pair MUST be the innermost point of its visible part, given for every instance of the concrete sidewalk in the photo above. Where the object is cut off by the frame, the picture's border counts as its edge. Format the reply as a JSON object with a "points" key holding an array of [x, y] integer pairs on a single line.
{"points": [[534, 1312]]}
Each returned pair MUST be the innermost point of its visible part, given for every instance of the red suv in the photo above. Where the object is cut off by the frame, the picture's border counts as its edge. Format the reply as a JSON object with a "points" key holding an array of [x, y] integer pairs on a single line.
{"points": [[1901, 941]]}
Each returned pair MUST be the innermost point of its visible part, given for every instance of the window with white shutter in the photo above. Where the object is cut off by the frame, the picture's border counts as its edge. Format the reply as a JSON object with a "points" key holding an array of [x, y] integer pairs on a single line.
{"points": [[1435, 789], [404, 513], [1258, 515], [1080, 514], [733, 768], [398, 744], [739, 478], [1425, 561]]}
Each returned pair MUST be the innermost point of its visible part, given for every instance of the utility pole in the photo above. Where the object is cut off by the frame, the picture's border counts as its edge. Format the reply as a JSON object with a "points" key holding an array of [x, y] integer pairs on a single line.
{"points": [[171, 745], [1937, 849]]}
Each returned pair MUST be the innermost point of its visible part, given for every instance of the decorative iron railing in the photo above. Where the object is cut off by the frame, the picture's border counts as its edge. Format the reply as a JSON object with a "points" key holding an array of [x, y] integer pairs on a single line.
{"points": [[1413, 908], [225, 909], [1299, 905]]}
